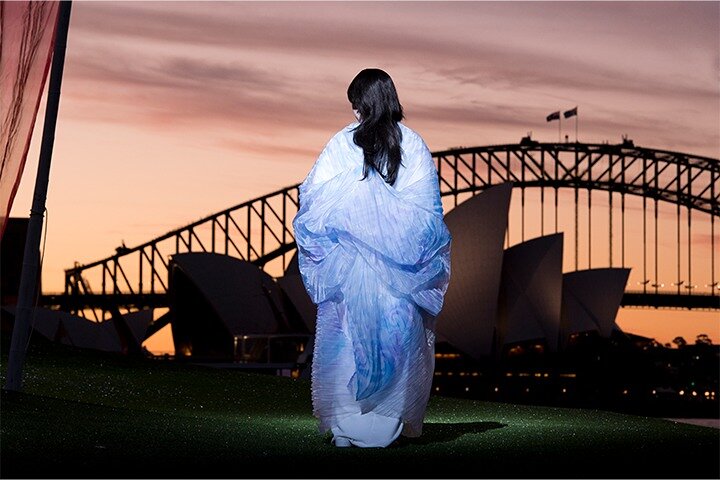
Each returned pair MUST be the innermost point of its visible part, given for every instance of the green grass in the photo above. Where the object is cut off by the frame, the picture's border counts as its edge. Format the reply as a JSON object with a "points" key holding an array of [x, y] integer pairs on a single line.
{"points": [[87, 414]]}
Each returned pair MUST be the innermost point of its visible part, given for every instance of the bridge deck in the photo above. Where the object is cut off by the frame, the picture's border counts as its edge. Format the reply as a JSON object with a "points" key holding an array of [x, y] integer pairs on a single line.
{"points": [[147, 300]]}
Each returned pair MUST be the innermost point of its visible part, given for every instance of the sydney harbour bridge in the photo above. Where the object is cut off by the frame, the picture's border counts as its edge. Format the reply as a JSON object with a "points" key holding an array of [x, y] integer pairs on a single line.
{"points": [[653, 211]]}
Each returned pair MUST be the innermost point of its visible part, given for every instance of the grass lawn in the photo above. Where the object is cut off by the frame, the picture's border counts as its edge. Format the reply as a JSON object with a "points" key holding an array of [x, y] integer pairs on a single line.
{"points": [[86, 414]]}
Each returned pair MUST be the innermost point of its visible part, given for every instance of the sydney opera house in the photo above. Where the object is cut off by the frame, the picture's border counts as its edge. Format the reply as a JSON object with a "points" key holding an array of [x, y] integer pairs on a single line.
{"points": [[497, 297], [500, 297]]}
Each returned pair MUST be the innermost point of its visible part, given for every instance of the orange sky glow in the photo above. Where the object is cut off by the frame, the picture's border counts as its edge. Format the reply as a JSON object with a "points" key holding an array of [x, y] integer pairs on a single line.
{"points": [[171, 111]]}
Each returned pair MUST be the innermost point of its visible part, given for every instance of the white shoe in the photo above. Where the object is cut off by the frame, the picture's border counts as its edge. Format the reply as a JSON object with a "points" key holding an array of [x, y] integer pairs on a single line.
{"points": [[367, 430], [341, 442]]}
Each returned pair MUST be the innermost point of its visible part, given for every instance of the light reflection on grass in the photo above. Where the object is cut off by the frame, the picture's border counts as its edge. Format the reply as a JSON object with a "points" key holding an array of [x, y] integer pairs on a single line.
{"points": [[83, 414]]}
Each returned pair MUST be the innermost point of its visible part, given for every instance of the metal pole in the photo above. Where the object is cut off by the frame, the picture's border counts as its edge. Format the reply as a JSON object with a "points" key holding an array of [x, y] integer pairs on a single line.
{"points": [[589, 204], [577, 231], [542, 193], [712, 237], [522, 200], [559, 133], [657, 281], [557, 188], [689, 286], [644, 200], [29, 275], [622, 212], [577, 188], [610, 210], [678, 281]]}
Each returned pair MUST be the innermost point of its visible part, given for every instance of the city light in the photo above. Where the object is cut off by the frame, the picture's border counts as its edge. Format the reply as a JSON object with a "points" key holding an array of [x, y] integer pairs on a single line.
{"points": [[447, 355], [519, 377]]}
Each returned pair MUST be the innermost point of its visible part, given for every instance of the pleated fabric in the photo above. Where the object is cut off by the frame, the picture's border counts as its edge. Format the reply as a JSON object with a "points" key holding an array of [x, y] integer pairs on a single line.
{"points": [[375, 259]]}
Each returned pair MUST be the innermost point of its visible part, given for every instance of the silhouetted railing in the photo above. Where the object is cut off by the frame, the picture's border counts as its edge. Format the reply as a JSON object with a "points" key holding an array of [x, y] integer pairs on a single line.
{"points": [[256, 230]]}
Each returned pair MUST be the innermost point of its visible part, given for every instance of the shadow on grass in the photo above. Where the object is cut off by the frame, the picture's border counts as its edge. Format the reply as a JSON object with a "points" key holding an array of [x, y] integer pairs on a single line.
{"points": [[448, 432]]}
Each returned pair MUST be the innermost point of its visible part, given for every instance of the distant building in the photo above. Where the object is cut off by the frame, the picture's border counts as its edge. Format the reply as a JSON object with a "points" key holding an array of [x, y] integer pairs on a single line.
{"points": [[224, 308], [477, 226], [591, 300], [498, 298], [531, 292]]}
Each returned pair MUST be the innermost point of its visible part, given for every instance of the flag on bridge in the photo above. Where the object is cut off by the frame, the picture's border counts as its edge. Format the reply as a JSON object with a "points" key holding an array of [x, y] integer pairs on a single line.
{"points": [[553, 116], [570, 113], [27, 36]]}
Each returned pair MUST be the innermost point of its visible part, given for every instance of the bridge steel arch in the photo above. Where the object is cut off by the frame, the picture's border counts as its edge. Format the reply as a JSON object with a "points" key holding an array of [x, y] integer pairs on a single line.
{"points": [[259, 230]]}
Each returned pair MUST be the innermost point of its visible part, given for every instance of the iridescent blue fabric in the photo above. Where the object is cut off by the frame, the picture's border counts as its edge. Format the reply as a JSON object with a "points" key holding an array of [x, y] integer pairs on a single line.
{"points": [[375, 258]]}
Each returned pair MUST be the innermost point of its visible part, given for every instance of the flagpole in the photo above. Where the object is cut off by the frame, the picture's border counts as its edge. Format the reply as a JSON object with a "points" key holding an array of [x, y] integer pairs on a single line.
{"points": [[555, 116], [559, 122], [576, 122], [29, 276]]}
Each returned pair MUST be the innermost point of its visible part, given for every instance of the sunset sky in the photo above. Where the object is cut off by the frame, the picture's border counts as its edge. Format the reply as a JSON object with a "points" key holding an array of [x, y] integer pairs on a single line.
{"points": [[171, 111]]}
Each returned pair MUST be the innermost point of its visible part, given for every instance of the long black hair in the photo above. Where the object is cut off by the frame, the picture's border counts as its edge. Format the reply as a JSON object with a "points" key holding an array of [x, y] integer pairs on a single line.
{"points": [[372, 93]]}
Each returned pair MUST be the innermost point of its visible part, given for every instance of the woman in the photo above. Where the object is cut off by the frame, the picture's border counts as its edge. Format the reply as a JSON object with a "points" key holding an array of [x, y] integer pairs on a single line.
{"points": [[374, 255]]}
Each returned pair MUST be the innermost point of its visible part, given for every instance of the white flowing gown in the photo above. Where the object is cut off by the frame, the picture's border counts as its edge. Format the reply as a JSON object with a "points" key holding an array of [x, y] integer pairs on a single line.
{"points": [[375, 259]]}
